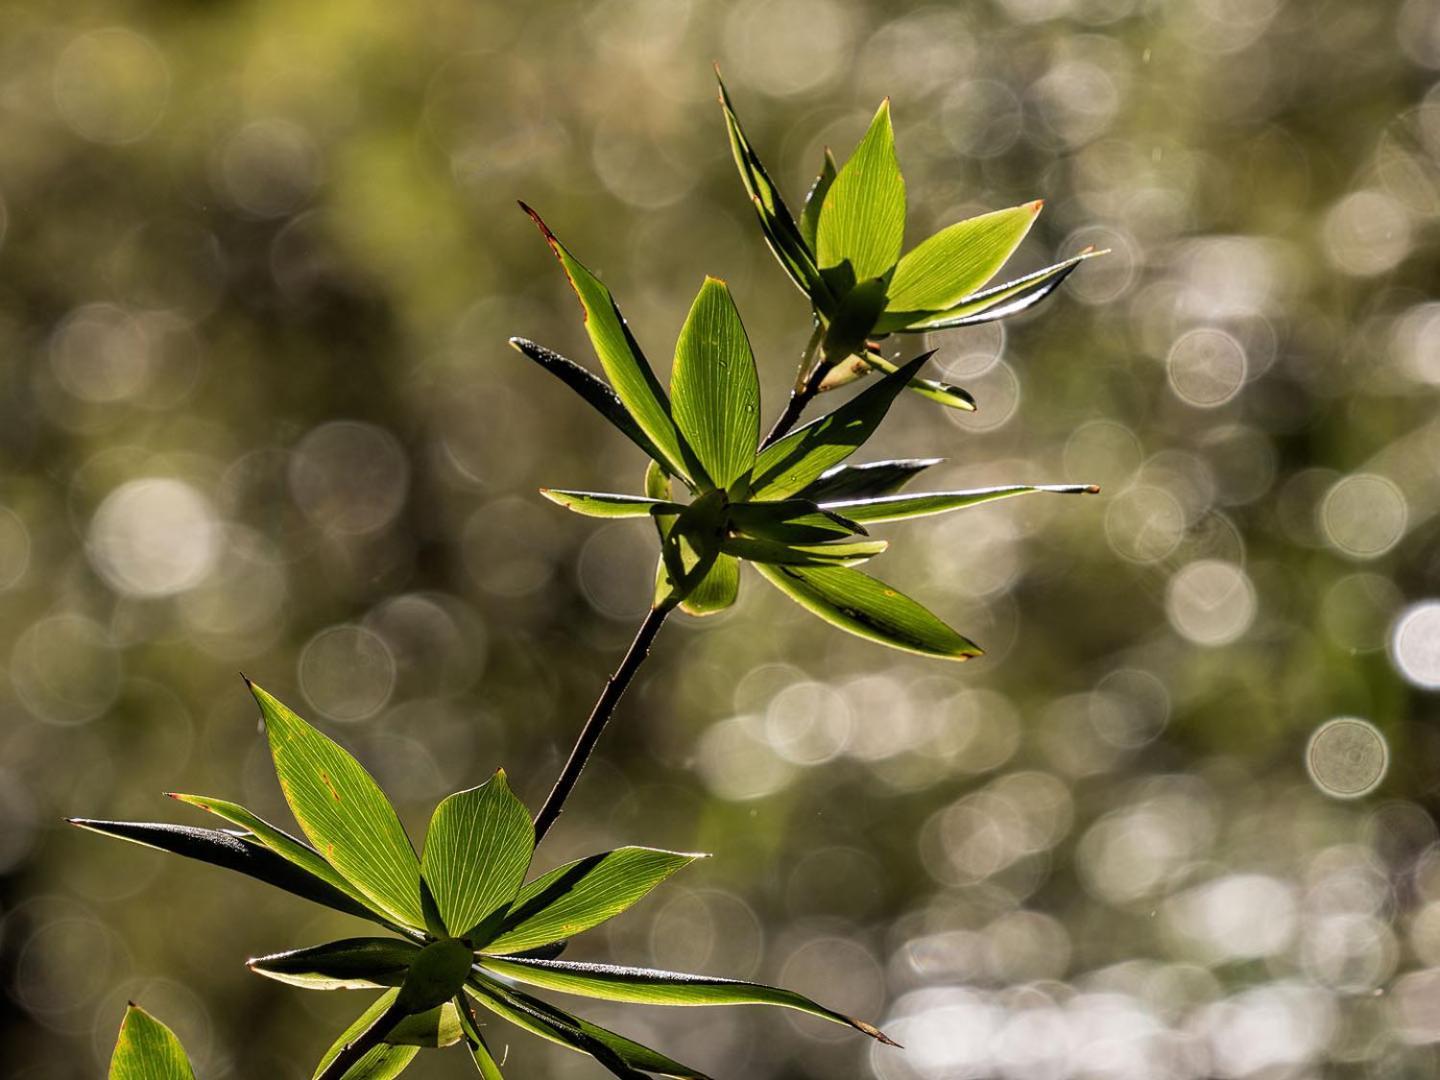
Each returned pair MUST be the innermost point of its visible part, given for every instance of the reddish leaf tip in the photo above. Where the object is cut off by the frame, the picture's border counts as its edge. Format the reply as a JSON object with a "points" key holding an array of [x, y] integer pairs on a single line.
{"points": [[1036, 206]]}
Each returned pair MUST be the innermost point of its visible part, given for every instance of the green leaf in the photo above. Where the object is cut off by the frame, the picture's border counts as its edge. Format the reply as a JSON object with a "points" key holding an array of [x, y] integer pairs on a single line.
{"points": [[593, 389], [898, 507], [791, 521], [717, 590], [284, 845], [837, 553], [436, 974], [715, 390], [382, 1062], [485, 1063], [789, 466], [958, 259], [229, 850], [794, 252], [615, 1052], [476, 854], [810, 212], [148, 1050], [349, 964], [605, 505], [866, 481], [944, 393], [999, 302], [862, 220], [343, 812], [644, 986], [625, 365], [869, 609], [690, 548], [855, 320], [583, 894]]}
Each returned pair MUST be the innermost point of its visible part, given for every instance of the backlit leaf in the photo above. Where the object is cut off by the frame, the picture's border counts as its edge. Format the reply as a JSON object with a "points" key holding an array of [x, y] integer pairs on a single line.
{"points": [[989, 305], [349, 964], [899, 507], [837, 553], [868, 480], [382, 1062], [958, 260], [606, 505], [148, 1050], [810, 212], [862, 220]]}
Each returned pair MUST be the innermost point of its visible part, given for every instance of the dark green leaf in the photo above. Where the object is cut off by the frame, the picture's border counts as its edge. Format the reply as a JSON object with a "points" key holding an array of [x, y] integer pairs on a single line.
{"points": [[999, 302], [625, 365], [148, 1050], [835, 553], [791, 521], [854, 322], [583, 894], [898, 507], [343, 812], [606, 505], [382, 1062], [717, 590], [649, 987], [958, 259], [350, 964], [593, 389], [436, 974], [476, 854], [690, 548], [615, 1052], [866, 481], [810, 212], [789, 466], [714, 387], [223, 848], [862, 220], [869, 609]]}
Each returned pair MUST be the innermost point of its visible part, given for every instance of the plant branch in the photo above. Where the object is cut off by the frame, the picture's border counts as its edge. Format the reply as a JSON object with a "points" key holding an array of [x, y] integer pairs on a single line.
{"points": [[807, 385], [363, 1043], [600, 715]]}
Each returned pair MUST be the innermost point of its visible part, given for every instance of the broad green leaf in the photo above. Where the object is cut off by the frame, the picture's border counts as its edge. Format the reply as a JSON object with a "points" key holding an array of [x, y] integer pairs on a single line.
{"points": [[794, 252], [690, 548], [343, 812], [855, 320], [476, 854], [787, 467], [614, 1051], [583, 894], [284, 845], [714, 388], [954, 397], [810, 212], [791, 521], [869, 609], [382, 1062], [998, 302], [958, 260], [644, 986], [836, 553], [625, 365], [436, 974], [593, 389], [349, 964], [862, 220], [717, 590], [899, 507], [606, 505], [148, 1050], [223, 848], [867, 481]]}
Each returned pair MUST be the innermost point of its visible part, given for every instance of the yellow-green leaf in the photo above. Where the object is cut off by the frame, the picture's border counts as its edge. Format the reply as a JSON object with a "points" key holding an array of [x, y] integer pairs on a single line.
{"points": [[862, 220], [899, 507], [148, 1050], [958, 260]]}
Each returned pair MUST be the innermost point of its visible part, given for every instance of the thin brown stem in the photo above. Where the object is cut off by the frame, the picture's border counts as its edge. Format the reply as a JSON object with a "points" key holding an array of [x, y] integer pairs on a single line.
{"points": [[599, 716], [807, 385]]}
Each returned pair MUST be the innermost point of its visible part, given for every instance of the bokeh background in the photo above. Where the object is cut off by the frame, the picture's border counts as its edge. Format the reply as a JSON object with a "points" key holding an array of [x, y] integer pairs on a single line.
{"points": [[258, 261]]}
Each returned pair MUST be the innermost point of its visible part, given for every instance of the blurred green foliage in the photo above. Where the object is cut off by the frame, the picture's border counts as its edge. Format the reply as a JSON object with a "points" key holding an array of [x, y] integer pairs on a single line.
{"points": [[257, 268]]}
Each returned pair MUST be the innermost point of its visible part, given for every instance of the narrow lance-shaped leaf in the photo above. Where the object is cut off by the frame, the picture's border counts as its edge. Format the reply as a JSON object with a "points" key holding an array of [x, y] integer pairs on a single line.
{"points": [[787, 467], [349, 964], [630, 374], [714, 388], [650, 987], [480, 1054], [583, 894], [343, 812], [557, 1026], [148, 1050], [899, 507], [862, 220], [284, 845], [603, 504], [593, 389], [382, 1062], [959, 259], [476, 854], [943, 393], [834, 553], [791, 521], [868, 480], [810, 213], [998, 302], [690, 547], [226, 849], [869, 609]]}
